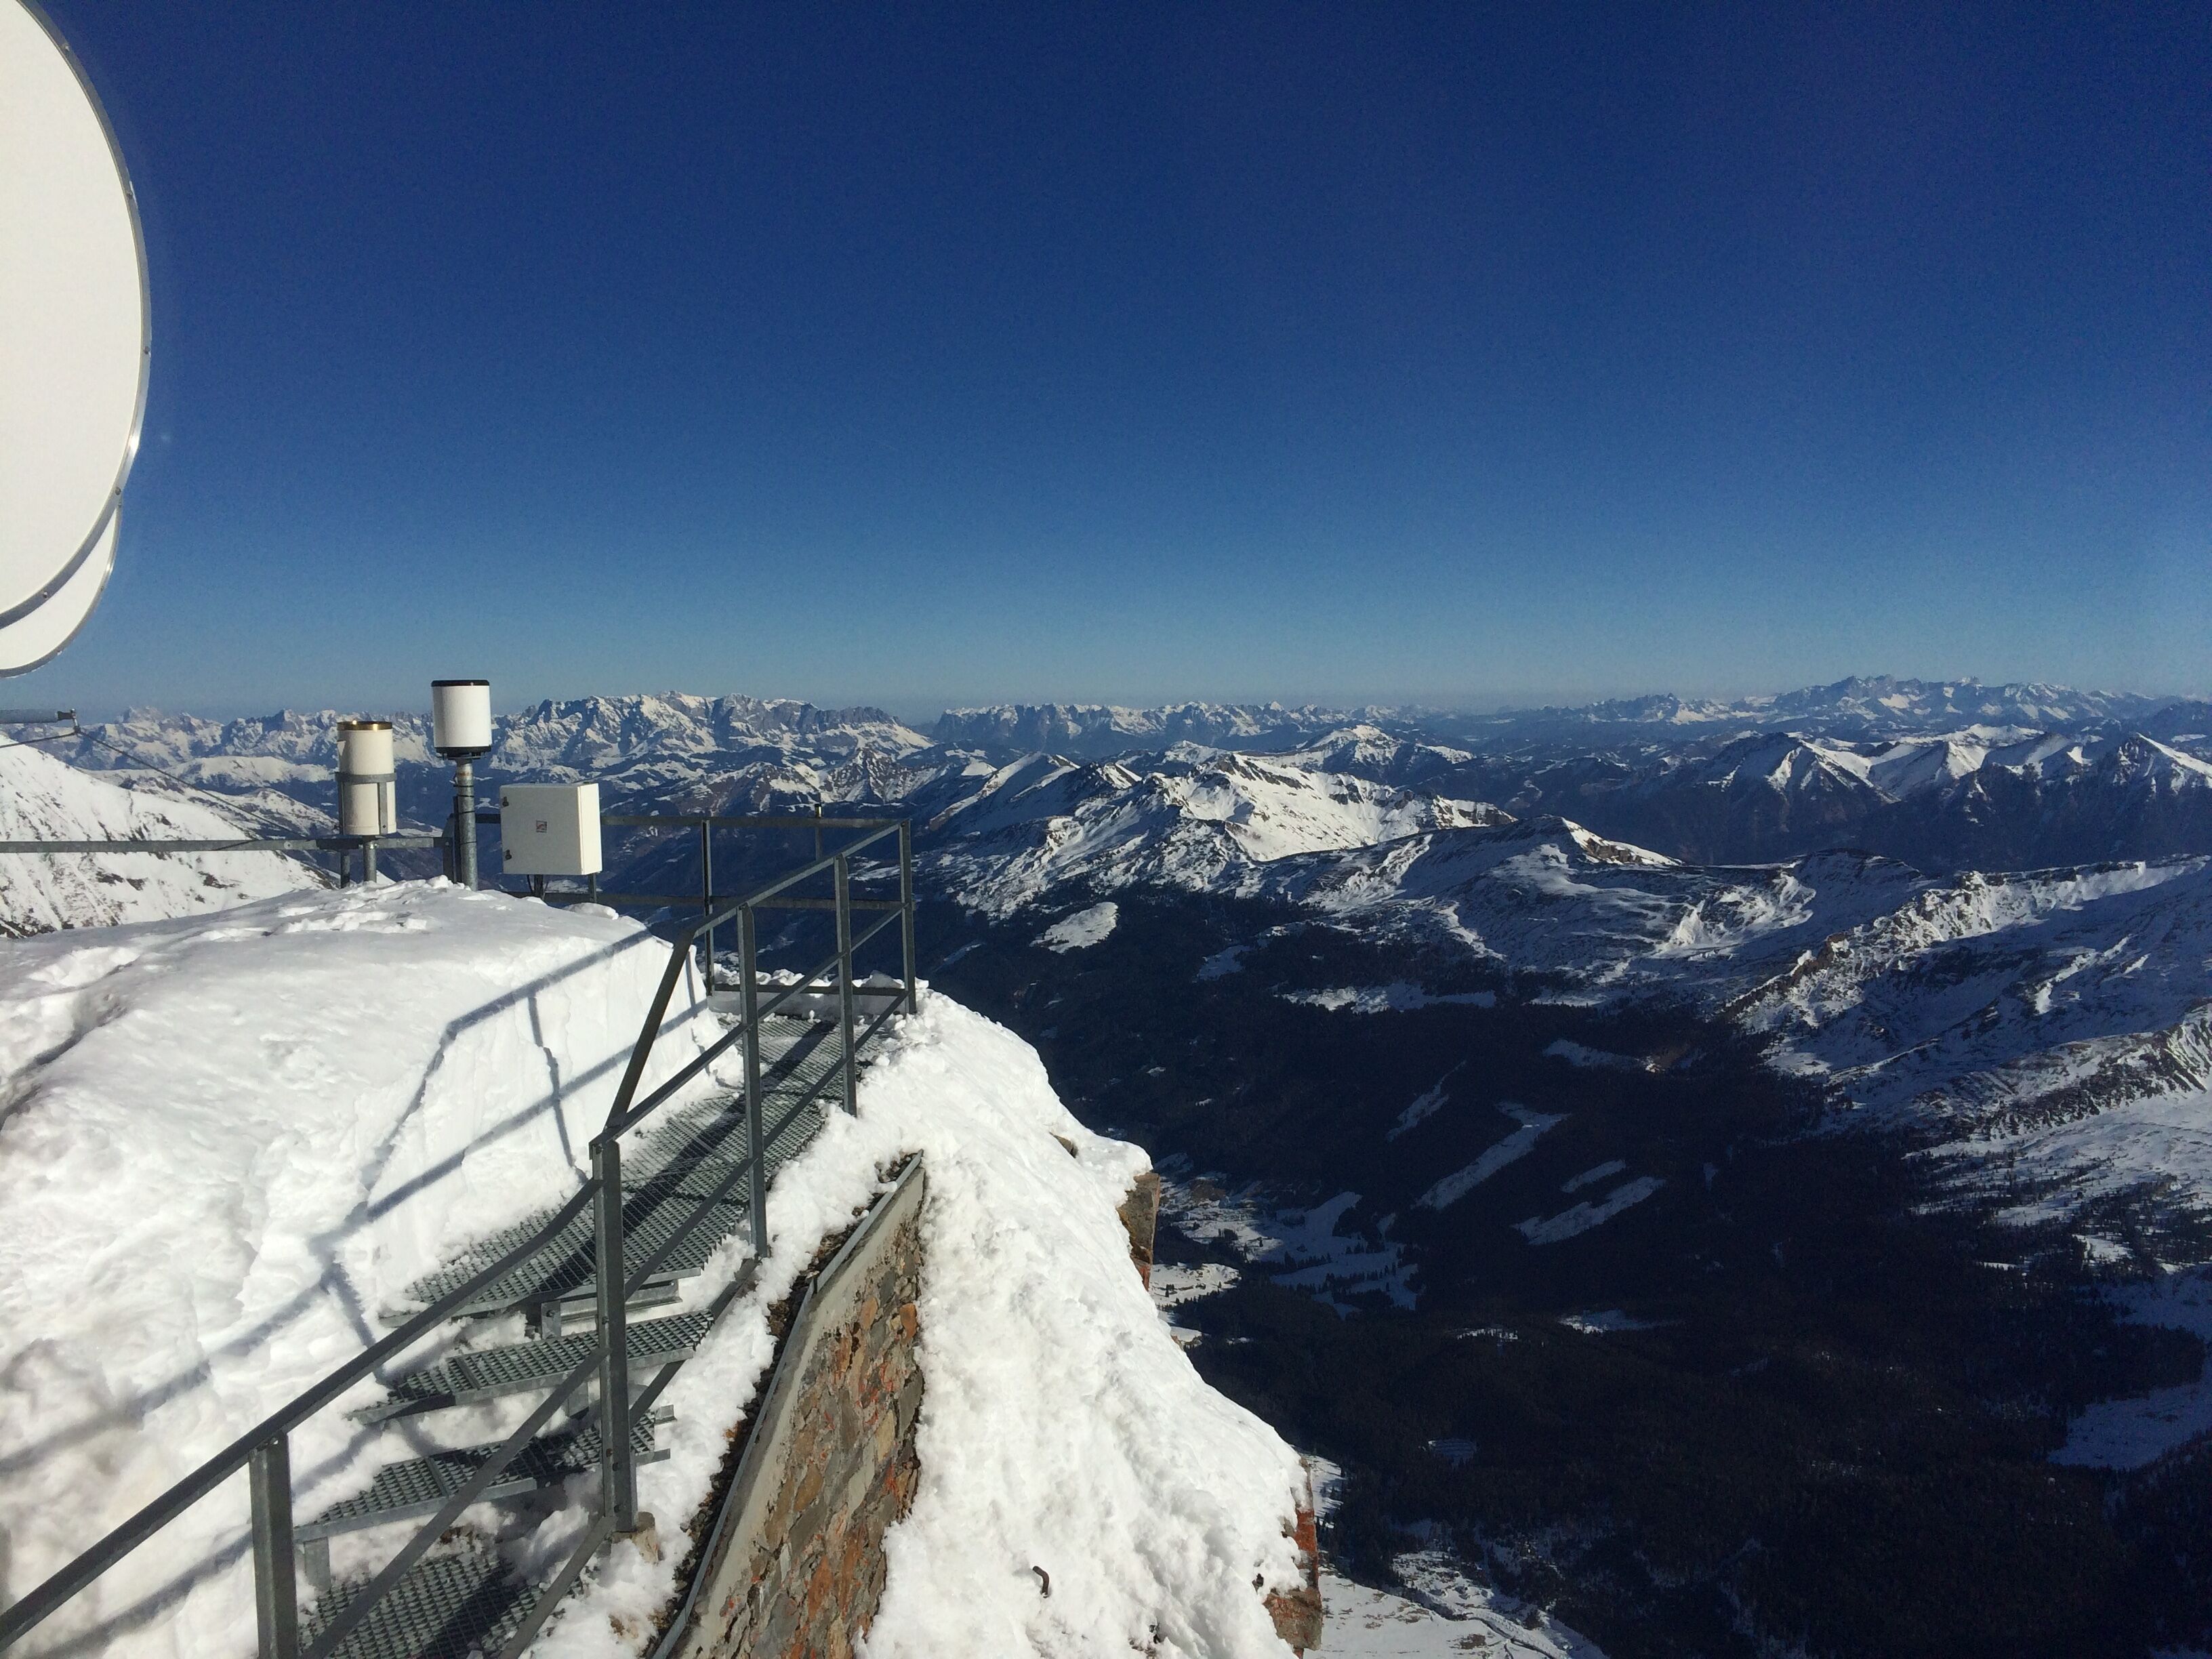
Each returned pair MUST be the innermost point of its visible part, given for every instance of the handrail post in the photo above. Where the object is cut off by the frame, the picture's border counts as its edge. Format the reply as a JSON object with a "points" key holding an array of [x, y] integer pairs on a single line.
{"points": [[906, 910], [707, 898], [275, 1586], [845, 980], [748, 955], [618, 1471]]}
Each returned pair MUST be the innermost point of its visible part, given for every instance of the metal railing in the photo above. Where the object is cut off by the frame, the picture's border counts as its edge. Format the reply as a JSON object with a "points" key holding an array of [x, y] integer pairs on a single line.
{"points": [[346, 847], [263, 1452]]}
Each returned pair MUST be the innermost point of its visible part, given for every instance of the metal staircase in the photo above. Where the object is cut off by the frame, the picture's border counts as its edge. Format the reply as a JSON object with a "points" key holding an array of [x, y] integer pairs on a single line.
{"points": [[588, 1279]]}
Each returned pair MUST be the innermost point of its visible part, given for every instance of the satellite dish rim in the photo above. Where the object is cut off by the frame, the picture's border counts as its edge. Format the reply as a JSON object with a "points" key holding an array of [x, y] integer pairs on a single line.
{"points": [[55, 583], [106, 575]]}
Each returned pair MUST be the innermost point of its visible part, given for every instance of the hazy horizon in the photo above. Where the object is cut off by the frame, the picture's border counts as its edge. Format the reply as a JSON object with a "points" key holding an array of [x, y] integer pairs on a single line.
{"points": [[920, 714]]}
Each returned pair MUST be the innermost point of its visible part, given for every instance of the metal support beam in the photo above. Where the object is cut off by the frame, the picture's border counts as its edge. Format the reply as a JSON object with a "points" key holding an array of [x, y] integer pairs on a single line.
{"points": [[249, 844], [707, 899], [464, 822], [906, 912], [749, 967], [618, 1459], [275, 1582], [845, 982]]}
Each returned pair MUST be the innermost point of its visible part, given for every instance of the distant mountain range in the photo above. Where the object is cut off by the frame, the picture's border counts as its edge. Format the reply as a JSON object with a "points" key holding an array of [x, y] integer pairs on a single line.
{"points": [[1703, 851], [1945, 775]]}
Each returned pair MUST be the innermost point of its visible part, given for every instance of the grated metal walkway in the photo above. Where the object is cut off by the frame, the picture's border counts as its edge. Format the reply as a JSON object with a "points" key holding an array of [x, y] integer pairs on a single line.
{"points": [[420, 1486], [470, 1603], [678, 1167], [452, 1607]]}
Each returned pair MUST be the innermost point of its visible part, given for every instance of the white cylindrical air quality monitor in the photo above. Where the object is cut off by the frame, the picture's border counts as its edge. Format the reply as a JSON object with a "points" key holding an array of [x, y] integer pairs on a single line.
{"points": [[369, 796], [460, 717]]}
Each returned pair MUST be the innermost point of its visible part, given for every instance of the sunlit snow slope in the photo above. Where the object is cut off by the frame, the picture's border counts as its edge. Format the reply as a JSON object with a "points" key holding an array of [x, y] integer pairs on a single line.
{"points": [[1015, 833], [41, 798]]}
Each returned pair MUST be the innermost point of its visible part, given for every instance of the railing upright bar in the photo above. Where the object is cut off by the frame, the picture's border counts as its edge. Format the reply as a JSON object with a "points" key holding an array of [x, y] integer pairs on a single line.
{"points": [[707, 899], [756, 1152], [906, 910], [617, 1468], [661, 997], [275, 1581], [845, 982]]}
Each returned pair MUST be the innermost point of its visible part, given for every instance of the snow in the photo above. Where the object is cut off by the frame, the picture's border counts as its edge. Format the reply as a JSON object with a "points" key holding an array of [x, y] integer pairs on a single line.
{"points": [[1174, 1284], [1083, 929], [1446, 1613], [1599, 1173], [1061, 1425], [1576, 1054], [1569, 1223], [1605, 1320], [1361, 1622], [1425, 1105], [1319, 1258], [232, 1138], [1516, 1146], [1222, 963], [2128, 1433], [1041, 822], [1396, 998], [41, 798]]}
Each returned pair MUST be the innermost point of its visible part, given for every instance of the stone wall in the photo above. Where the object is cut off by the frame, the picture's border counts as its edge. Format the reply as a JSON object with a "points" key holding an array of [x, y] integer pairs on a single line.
{"points": [[1299, 1613], [1141, 1214], [796, 1566]]}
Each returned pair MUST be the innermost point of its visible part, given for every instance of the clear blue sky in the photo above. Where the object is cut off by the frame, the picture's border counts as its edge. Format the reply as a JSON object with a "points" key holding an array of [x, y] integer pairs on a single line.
{"points": [[913, 354]]}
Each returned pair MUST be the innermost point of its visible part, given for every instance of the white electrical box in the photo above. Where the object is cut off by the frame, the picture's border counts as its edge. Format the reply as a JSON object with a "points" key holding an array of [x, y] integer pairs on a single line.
{"points": [[549, 828]]}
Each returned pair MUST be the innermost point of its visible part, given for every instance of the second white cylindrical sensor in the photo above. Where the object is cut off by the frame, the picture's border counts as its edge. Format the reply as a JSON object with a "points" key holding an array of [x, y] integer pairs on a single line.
{"points": [[460, 717]]}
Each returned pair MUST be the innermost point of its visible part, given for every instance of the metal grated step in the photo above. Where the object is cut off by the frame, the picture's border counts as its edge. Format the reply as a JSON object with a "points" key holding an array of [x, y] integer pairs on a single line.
{"points": [[672, 1174], [452, 1607], [486, 1373], [421, 1486], [471, 1604]]}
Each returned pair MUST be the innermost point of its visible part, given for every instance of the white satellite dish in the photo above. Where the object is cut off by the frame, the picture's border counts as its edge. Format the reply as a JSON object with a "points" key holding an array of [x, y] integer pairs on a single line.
{"points": [[75, 336]]}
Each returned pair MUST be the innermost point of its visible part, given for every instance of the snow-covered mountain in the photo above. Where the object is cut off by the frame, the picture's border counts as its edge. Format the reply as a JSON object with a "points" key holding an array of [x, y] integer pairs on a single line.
{"points": [[1945, 775], [640, 749], [1978, 797], [1860, 706], [998, 837], [42, 798], [2058, 1020], [1101, 730]]}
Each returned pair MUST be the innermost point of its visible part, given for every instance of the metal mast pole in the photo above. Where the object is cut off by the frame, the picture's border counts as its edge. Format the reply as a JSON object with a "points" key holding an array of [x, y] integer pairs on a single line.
{"points": [[465, 821]]}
